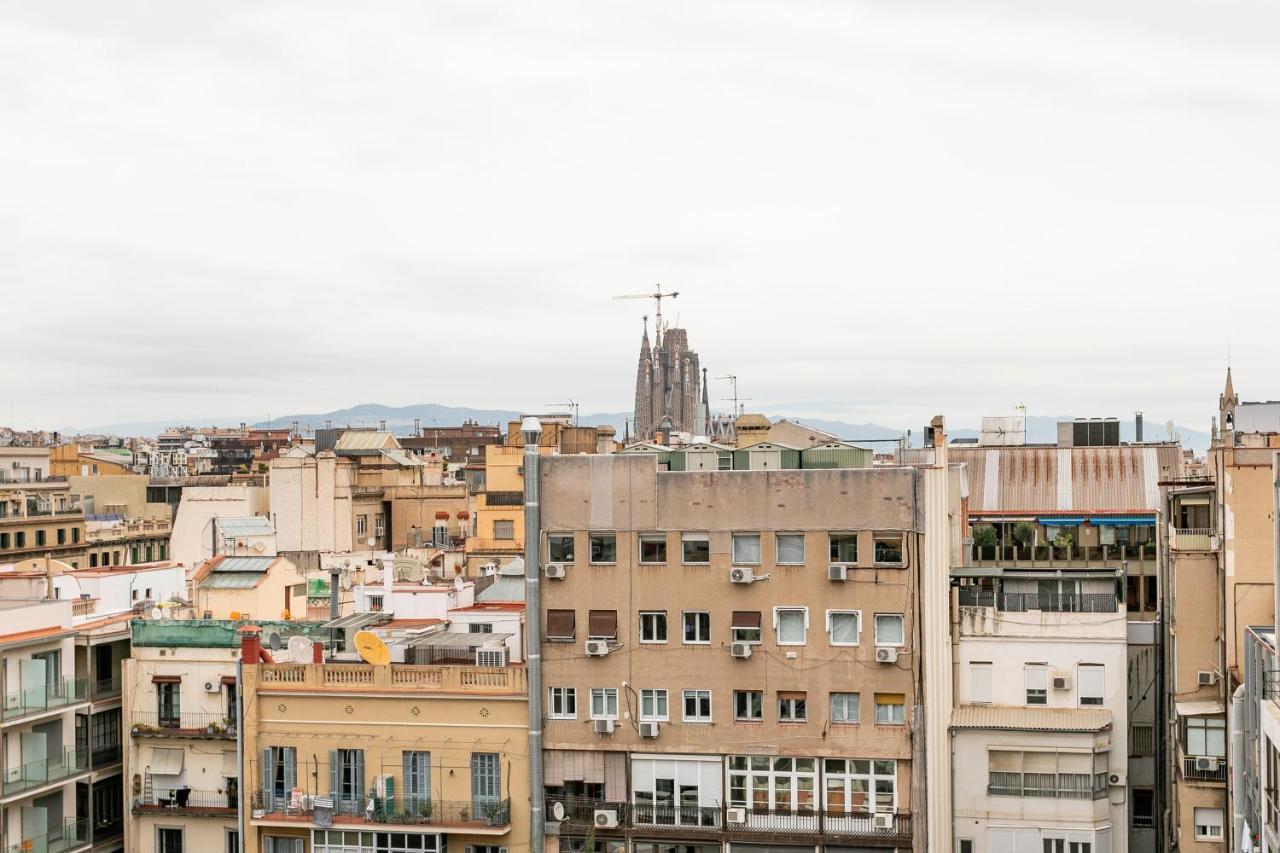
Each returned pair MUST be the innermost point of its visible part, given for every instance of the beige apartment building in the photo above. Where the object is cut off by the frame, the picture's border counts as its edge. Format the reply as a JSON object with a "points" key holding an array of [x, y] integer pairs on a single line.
{"points": [[39, 516], [733, 659]]}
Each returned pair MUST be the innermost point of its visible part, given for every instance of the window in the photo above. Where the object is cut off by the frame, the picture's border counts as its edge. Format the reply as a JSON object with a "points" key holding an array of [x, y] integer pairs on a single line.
{"points": [[791, 624], [502, 528], [653, 705], [746, 548], [695, 549], [604, 703], [169, 840], [860, 785], [844, 547], [1143, 813], [362, 526], [844, 707], [347, 773], [375, 603], [379, 525], [746, 626], [604, 548], [1149, 595], [4, 541], [888, 549], [480, 628], [560, 548], [1089, 683], [748, 705], [653, 548], [1035, 678], [20, 539], [781, 783], [789, 549], [889, 630], [40, 537], [844, 626], [697, 706], [561, 625], [486, 783], [75, 536], [562, 703], [1206, 736], [169, 704], [965, 845], [653, 626], [416, 769], [792, 707], [1063, 775], [280, 773], [891, 709], [62, 536], [232, 841], [980, 682], [1208, 824], [602, 625], [697, 627]]}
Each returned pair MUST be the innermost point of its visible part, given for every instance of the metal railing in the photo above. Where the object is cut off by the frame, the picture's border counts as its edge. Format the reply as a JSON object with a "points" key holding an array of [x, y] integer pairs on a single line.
{"points": [[1212, 769], [37, 700], [1048, 602], [1045, 554], [72, 835], [397, 810], [104, 688], [1193, 538], [105, 755], [190, 800], [36, 774], [194, 724], [1060, 786], [412, 677]]}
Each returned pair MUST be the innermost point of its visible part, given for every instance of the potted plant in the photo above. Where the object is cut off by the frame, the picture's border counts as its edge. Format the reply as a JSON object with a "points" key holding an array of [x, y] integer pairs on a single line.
{"points": [[984, 540], [1024, 534], [424, 811], [1062, 545]]}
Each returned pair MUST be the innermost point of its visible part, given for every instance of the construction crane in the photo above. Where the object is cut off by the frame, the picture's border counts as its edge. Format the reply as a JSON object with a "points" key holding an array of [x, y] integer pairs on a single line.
{"points": [[657, 296]]}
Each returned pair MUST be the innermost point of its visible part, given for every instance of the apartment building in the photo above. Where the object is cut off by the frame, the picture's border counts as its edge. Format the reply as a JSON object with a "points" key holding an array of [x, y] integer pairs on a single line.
{"points": [[39, 514], [733, 658], [1040, 731]]}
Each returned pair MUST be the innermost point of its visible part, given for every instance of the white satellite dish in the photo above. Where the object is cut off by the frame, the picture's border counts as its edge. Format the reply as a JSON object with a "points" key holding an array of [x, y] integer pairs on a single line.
{"points": [[371, 542], [156, 613], [457, 583], [557, 810], [345, 582], [299, 649], [273, 641]]}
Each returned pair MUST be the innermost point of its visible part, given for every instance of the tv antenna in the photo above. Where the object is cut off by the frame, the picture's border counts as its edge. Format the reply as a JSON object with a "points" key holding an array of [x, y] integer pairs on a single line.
{"points": [[737, 401], [569, 405], [657, 296]]}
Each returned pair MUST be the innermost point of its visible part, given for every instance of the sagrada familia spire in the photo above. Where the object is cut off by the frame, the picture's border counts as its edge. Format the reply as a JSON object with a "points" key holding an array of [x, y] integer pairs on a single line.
{"points": [[670, 386]]}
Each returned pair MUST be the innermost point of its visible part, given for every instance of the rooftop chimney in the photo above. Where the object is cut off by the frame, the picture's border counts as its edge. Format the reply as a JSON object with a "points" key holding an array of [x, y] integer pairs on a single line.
{"points": [[417, 427], [1137, 427], [250, 644], [382, 425]]}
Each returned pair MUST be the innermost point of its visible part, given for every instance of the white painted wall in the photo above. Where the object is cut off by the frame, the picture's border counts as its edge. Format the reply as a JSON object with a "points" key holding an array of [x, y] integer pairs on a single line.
{"points": [[192, 539]]}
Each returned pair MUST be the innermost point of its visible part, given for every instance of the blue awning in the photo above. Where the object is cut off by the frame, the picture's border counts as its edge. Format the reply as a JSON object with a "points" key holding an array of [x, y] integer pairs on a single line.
{"points": [[1125, 520], [1061, 521]]}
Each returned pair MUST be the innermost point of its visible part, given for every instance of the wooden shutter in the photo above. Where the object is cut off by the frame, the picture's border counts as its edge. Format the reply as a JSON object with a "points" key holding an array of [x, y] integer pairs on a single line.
{"points": [[603, 624]]}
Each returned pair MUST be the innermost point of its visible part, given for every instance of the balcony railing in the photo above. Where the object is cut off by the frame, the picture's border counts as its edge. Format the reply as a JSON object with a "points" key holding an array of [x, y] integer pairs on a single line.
{"points": [[36, 774], [46, 697], [105, 755], [494, 546], [398, 810], [1210, 769], [1047, 555], [84, 606], [1193, 538], [1049, 602], [1060, 786], [187, 801], [104, 688], [72, 835], [185, 725], [406, 677]]}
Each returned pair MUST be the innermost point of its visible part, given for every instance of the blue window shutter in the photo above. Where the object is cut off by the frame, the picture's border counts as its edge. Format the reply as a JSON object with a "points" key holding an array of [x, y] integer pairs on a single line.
{"points": [[266, 776], [335, 790], [290, 768]]}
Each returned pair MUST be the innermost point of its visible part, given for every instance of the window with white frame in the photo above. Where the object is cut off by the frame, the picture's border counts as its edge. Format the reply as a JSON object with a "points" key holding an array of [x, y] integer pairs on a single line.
{"points": [[1035, 680], [169, 840], [653, 548], [860, 785], [653, 626], [1205, 736], [604, 703], [362, 525], [791, 624], [697, 627], [748, 705], [844, 707], [889, 629], [773, 783], [604, 548], [789, 549], [746, 626], [349, 841], [746, 548], [980, 682], [1089, 683], [284, 844], [1208, 824], [891, 709], [695, 549], [697, 706], [653, 705], [562, 703], [792, 707], [844, 627], [379, 525]]}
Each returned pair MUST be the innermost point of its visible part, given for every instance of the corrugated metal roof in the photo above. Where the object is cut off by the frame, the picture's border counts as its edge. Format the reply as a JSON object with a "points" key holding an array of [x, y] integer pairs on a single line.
{"points": [[365, 440], [456, 638], [402, 458], [1031, 719], [358, 620], [1200, 709], [243, 564], [252, 525], [233, 580]]}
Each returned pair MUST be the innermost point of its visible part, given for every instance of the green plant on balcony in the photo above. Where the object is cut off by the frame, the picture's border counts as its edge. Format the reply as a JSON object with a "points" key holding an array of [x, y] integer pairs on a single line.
{"points": [[424, 810], [493, 812], [145, 729], [985, 539], [1024, 533]]}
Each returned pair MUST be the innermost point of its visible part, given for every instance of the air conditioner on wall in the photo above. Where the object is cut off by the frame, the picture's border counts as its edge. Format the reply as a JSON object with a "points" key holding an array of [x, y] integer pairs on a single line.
{"points": [[603, 727], [556, 571], [648, 728], [740, 650], [741, 576], [882, 821], [886, 654], [837, 572], [1206, 678], [735, 816], [606, 818], [1207, 764], [597, 648], [1061, 681]]}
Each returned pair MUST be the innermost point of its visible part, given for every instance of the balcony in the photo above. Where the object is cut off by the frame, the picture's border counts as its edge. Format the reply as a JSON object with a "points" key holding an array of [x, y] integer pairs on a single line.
{"points": [[1025, 602], [1212, 769], [38, 774], [1059, 786], [105, 755], [57, 696], [1051, 556], [1193, 539], [84, 606], [495, 680], [72, 835], [494, 546], [187, 802], [192, 725], [482, 816], [104, 689]]}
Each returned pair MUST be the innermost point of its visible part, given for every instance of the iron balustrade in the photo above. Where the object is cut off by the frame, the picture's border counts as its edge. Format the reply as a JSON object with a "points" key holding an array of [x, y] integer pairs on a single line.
{"points": [[186, 800], [1048, 602], [397, 810], [183, 724]]}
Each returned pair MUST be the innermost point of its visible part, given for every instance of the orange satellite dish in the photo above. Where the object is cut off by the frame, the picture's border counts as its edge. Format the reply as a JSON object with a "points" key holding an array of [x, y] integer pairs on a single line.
{"points": [[371, 649]]}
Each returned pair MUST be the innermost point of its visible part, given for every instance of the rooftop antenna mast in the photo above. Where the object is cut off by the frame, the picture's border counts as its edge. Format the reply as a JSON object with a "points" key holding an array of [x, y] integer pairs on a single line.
{"points": [[569, 405], [737, 401], [657, 296]]}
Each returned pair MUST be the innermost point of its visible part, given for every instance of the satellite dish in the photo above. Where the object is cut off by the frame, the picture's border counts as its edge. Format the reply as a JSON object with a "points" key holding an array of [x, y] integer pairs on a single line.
{"points": [[259, 547], [371, 649], [557, 810], [345, 582], [156, 613], [457, 582], [273, 641], [370, 542], [299, 649]]}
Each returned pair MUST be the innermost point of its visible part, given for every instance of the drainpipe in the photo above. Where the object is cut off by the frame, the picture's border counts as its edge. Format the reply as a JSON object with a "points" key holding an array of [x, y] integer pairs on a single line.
{"points": [[531, 431], [1237, 767]]}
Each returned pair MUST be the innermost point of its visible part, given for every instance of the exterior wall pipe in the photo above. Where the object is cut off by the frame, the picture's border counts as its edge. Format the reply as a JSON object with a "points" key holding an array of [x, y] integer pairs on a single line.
{"points": [[531, 431], [1237, 768]]}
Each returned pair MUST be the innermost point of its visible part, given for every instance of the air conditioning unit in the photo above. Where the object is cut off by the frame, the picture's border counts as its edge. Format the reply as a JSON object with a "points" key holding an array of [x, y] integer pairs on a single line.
{"points": [[735, 816], [1206, 678], [603, 727], [556, 571], [837, 572], [1115, 779], [597, 648], [212, 687], [741, 576], [886, 654], [606, 819], [648, 728], [740, 650], [1061, 681], [1206, 764], [882, 821]]}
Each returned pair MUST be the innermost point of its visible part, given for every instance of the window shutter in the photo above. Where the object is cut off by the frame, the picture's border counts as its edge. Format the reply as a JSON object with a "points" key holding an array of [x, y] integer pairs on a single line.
{"points": [[603, 623], [290, 758], [561, 623], [334, 789], [746, 619], [359, 762], [266, 776]]}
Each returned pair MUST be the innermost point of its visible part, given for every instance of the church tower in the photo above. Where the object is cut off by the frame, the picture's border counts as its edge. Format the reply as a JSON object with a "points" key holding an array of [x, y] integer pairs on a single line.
{"points": [[668, 384], [1227, 403]]}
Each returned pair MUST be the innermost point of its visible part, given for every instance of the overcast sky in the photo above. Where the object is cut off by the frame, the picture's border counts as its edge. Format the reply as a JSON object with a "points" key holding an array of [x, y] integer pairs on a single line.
{"points": [[872, 211]]}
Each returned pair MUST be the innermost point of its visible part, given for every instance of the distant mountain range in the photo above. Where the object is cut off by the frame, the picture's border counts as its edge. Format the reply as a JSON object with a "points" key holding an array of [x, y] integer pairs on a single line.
{"points": [[399, 420]]}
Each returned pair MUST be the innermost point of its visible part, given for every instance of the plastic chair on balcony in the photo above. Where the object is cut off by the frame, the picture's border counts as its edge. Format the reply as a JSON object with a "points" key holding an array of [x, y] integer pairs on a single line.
{"points": [[294, 806]]}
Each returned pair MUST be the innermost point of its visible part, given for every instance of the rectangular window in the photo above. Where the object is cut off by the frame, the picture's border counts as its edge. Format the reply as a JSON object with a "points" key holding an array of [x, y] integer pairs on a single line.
{"points": [[362, 526], [859, 785], [562, 703], [4, 541], [888, 549], [1143, 813], [486, 784], [349, 774], [653, 548], [653, 705], [1149, 595], [780, 783], [1089, 683], [1206, 736], [169, 705], [604, 548], [231, 841], [789, 549], [560, 548], [416, 769], [1035, 678], [1208, 824], [748, 705], [40, 537], [697, 627], [480, 628], [602, 625], [697, 706], [891, 709], [746, 548], [746, 626], [791, 625], [169, 840], [844, 707], [980, 682], [695, 549], [561, 624], [503, 529], [792, 707], [62, 535], [844, 547], [653, 626], [604, 703], [844, 626], [379, 525], [889, 629]]}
